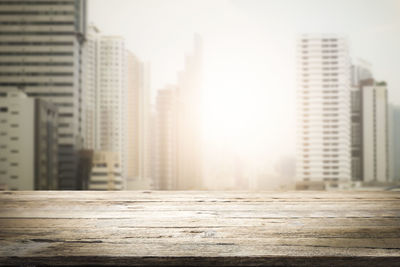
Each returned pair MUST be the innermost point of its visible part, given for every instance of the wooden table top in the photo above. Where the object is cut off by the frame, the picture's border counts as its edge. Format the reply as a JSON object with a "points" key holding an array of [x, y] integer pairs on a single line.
{"points": [[151, 228]]}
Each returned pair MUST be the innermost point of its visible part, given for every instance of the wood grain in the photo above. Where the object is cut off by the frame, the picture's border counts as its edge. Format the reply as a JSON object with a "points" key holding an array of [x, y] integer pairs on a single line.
{"points": [[152, 228]]}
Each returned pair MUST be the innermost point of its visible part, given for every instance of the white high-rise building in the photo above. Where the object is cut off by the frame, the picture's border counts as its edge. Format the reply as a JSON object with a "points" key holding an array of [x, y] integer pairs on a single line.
{"points": [[323, 98], [28, 143], [41, 53], [106, 94]]}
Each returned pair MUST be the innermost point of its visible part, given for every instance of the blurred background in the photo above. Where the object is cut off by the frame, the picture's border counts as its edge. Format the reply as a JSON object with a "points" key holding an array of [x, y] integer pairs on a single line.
{"points": [[199, 95]]}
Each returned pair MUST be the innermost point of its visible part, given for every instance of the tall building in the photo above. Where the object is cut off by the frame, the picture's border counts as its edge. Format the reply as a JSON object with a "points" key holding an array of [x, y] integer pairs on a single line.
{"points": [[323, 98], [374, 132], [166, 139], [360, 71], [189, 120], [106, 82], [106, 171], [91, 82], [394, 142], [41, 53], [28, 143], [369, 126], [138, 142]]}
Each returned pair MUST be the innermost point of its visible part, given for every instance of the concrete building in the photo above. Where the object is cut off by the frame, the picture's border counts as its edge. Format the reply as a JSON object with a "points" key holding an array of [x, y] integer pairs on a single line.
{"points": [[394, 143], [28, 143], [375, 150], [166, 139], [189, 120], [369, 118], [360, 71], [106, 94], [85, 168], [41, 53], [106, 171], [323, 98], [91, 56], [138, 135]]}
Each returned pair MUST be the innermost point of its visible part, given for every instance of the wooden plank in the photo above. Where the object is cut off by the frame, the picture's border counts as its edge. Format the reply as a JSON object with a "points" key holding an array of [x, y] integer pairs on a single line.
{"points": [[150, 228]]}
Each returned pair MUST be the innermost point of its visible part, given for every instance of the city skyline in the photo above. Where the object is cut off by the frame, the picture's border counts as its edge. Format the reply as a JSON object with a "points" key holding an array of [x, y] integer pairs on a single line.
{"points": [[247, 99], [248, 40]]}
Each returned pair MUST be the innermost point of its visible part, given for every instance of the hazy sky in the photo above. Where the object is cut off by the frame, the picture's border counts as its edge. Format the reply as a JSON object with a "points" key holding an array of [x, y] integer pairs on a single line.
{"points": [[249, 54]]}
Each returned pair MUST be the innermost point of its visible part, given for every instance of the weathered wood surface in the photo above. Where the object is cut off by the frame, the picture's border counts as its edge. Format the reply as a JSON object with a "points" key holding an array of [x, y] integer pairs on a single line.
{"points": [[200, 228]]}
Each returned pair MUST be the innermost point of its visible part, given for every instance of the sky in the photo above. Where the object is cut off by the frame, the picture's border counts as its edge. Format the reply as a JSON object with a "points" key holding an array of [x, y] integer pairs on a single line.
{"points": [[249, 55]]}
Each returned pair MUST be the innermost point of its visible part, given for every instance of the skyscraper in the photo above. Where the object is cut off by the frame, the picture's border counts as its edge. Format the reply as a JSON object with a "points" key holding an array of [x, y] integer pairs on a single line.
{"points": [[91, 82], [137, 146], [394, 142], [375, 151], [323, 98], [41, 53], [189, 120], [166, 139], [360, 71], [105, 94], [369, 126]]}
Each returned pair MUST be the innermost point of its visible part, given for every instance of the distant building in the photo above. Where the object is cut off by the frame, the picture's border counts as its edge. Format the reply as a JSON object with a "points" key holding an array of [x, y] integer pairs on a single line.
{"points": [[105, 94], [375, 133], [189, 121], [138, 122], [106, 171], [153, 148], [360, 71], [91, 83], [369, 117], [394, 143], [323, 98], [41, 53], [28, 143], [85, 168], [166, 139]]}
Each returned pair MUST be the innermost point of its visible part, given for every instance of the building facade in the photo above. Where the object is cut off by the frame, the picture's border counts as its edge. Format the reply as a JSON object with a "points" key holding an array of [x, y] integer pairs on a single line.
{"points": [[41, 53], [138, 142], [28, 143], [189, 121], [106, 94], [360, 72], [375, 150], [166, 140], [106, 171], [394, 142], [323, 109]]}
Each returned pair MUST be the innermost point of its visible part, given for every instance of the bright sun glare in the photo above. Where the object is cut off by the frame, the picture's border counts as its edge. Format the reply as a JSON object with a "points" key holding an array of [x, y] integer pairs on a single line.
{"points": [[242, 106]]}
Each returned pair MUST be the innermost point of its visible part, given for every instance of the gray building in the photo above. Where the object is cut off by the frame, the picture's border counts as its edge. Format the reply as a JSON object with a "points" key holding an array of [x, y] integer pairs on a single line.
{"points": [[394, 143], [28, 143], [369, 120], [359, 72], [41, 52]]}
